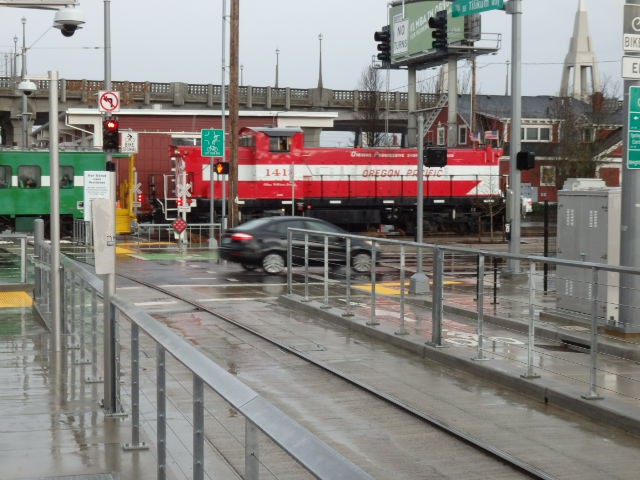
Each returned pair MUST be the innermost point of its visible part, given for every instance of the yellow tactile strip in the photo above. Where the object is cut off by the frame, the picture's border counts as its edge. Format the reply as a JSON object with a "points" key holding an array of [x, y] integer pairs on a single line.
{"points": [[15, 300]]}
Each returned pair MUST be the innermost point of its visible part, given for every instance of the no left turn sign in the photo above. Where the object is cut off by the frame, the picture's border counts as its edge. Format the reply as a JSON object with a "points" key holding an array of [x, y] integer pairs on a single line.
{"points": [[108, 101]]}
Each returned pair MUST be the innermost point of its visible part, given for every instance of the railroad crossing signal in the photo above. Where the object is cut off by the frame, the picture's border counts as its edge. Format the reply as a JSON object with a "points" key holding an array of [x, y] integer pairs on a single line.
{"points": [[179, 225]]}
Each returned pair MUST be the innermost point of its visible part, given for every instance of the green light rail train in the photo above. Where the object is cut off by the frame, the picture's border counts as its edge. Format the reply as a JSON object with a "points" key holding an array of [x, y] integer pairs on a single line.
{"points": [[25, 187]]}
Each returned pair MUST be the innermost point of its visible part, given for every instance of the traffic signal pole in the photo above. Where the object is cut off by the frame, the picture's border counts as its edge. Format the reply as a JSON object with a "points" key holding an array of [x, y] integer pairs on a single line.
{"points": [[515, 9]]}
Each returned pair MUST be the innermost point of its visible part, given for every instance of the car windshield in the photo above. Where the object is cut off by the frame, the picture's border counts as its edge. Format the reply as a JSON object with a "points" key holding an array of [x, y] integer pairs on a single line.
{"points": [[255, 223]]}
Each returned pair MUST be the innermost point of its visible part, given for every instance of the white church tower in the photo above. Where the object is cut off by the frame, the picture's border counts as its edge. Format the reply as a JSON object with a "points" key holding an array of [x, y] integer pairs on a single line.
{"points": [[580, 61]]}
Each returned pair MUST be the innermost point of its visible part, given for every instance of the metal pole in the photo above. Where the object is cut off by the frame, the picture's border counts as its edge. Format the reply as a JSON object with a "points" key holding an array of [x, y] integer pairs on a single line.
{"points": [[630, 223], [110, 384], [452, 119], [223, 111], [418, 282], [54, 194], [593, 367], [23, 76], [516, 120]]}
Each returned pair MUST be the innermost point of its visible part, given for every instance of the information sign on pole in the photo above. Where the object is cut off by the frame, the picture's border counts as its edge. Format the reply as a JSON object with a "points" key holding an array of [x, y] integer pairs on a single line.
{"points": [[631, 28], [212, 143], [633, 147], [461, 8]]}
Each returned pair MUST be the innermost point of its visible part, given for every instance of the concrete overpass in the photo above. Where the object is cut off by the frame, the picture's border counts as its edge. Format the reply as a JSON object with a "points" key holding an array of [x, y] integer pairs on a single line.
{"points": [[156, 96]]}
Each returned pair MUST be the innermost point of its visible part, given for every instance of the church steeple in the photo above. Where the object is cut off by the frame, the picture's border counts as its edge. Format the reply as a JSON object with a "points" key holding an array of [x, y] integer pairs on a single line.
{"points": [[580, 61]]}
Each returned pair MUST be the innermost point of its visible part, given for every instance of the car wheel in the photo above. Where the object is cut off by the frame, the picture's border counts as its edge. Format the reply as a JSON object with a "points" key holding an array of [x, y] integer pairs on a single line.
{"points": [[249, 267], [361, 262], [273, 263]]}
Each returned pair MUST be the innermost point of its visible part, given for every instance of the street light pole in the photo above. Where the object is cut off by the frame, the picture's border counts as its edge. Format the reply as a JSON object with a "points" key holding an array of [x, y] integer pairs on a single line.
{"points": [[277, 65], [23, 77]]}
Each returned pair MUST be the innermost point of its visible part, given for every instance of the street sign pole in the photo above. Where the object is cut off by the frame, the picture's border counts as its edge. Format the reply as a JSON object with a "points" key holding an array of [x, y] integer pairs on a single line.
{"points": [[629, 301]]}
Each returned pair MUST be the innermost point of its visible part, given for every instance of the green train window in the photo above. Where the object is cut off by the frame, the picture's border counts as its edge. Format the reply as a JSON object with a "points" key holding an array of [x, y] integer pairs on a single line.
{"points": [[66, 177], [29, 176], [5, 176]]}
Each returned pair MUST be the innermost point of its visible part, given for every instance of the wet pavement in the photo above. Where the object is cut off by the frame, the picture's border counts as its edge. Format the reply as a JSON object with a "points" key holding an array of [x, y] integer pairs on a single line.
{"points": [[58, 419]]}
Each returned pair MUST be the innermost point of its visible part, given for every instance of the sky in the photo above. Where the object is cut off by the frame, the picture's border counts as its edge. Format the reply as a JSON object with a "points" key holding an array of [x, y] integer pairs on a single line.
{"points": [[181, 42]]}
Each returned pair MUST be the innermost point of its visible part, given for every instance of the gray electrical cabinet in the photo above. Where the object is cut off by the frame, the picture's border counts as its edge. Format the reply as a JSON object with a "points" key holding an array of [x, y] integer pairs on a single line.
{"points": [[589, 231]]}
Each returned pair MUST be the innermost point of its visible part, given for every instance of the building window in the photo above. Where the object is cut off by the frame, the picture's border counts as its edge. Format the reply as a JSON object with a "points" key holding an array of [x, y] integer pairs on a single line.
{"points": [[5, 176], [66, 177], [547, 176], [441, 137], [462, 135], [29, 176], [536, 134], [588, 135]]}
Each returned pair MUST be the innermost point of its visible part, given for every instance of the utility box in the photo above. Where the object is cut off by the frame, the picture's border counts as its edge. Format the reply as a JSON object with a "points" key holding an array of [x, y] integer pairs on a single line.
{"points": [[589, 216]]}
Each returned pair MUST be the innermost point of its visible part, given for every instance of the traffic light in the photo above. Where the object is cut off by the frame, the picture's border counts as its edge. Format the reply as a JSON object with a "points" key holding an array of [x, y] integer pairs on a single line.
{"points": [[110, 135], [222, 168], [434, 157], [384, 47], [439, 26], [525, 160]]}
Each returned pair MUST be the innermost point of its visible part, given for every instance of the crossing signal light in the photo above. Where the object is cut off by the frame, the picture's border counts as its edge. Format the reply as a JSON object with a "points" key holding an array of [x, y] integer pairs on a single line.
{"points": [[434, 157], [439, 27], [139, 198], [179, 202], [222, 168], [525, 160], [110, 135], [384, 45]]}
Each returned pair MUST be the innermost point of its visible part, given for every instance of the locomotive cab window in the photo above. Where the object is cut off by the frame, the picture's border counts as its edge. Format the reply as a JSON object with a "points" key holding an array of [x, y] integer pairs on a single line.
{"points": [[29, 176], [5, 176], [279, 144], [66, 177]]}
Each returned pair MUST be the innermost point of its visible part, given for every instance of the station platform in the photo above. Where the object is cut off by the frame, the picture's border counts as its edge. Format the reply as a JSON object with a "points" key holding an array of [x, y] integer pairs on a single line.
{"points": [[54, 427]]}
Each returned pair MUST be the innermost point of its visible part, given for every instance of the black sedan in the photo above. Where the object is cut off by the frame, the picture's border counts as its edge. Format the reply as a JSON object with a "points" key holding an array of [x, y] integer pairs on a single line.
{"points": [[262, 242]]}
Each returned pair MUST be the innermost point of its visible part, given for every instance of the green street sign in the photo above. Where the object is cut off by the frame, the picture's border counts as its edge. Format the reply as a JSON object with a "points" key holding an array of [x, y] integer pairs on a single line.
{"points": [[633, 143], [460, 8], [212, 143]]}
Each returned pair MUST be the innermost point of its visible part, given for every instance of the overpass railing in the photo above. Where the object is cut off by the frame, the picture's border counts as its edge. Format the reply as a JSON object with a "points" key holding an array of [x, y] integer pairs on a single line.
{"points": [[180, 94], [270, 441]]}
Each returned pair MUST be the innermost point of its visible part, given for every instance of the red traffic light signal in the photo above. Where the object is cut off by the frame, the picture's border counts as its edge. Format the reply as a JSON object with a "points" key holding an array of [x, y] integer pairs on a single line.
{"points": [[222, 168], [384, 46], [110, 135]]}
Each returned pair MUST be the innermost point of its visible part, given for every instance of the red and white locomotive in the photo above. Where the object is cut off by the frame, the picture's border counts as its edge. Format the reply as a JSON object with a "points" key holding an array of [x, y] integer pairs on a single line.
{"points": [[353, 187]]}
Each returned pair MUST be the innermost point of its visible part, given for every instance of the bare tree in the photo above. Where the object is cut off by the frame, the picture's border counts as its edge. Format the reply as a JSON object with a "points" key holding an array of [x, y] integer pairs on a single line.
{"points": [[576, 147], [370, 107]]}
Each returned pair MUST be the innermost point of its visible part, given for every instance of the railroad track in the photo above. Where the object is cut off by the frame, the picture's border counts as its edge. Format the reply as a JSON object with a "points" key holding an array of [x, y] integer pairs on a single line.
{"points": [[301, 360]]}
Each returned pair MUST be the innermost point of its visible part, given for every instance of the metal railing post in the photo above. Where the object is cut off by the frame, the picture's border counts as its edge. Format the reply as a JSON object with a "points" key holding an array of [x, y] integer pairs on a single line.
{"points": [[326, 272], [94, 378], [372, 310], [532, 328], [135, 444], [23, 259], [306, 267], [251, 451], [402, 330], [290, 262], [198, 428], [348, 312], [593, 367], [437, 298], [161, 421], [480, 308]]}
